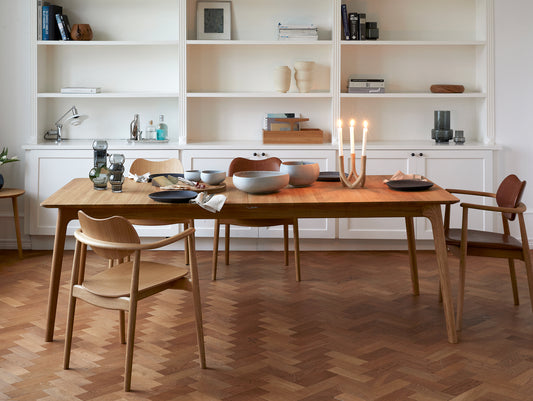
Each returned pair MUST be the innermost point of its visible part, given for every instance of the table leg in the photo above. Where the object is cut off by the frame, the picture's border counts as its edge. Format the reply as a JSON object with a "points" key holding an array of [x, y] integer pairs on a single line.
{"points": [[411, 246], [55, 273], [434, 214], [17, 224]]}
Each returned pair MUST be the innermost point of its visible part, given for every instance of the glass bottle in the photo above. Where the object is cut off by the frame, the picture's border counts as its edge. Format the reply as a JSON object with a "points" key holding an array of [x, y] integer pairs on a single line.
{"points": [[162, 129], [150, 131]]}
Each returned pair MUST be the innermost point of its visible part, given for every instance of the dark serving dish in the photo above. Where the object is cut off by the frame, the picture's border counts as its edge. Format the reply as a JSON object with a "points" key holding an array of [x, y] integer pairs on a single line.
{"points": [[329, 176], [409, 185], [173, 196]]}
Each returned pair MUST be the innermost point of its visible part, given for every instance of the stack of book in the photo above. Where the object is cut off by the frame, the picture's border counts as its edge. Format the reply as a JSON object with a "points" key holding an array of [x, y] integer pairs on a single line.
{"points": [[363, 85], [81, 90], [297, 32], [52, 24]]}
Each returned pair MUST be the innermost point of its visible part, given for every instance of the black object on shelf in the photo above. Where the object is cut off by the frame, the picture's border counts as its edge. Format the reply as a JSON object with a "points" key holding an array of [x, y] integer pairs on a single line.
{"points": [[372, 31], [441, 133], [362, 26]]}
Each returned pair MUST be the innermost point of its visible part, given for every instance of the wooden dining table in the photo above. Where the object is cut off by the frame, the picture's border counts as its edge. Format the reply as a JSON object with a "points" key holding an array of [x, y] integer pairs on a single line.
{"points": [[321, 200]]}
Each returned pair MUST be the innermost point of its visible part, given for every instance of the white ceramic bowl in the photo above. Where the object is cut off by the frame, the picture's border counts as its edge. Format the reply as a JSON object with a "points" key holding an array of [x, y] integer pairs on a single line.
{"points": [[192, 175], [260, 182], [213, 177], [302, 174]]}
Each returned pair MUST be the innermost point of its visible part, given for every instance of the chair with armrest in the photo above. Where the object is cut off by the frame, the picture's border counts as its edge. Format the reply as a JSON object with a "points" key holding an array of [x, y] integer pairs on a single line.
{"points": [[122, 286], [143, 166], [463, 241], [269, 164]]}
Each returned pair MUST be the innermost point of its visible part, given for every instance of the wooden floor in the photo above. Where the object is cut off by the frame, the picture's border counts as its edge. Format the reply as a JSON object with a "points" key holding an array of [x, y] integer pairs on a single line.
{"points": [[351, 330]]}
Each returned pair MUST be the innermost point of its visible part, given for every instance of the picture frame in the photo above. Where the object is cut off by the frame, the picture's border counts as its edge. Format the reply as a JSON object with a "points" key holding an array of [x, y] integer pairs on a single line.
{"points": [[213, 20]]}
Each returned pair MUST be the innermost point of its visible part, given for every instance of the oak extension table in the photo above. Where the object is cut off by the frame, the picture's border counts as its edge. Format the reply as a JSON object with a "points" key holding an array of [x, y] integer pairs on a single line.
{"points": [[321, 200]]}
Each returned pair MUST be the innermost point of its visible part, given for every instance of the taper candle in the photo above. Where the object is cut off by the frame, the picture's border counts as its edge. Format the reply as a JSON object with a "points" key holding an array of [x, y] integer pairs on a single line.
{"points": [[365, 133], [352, 138], [339, 137]]}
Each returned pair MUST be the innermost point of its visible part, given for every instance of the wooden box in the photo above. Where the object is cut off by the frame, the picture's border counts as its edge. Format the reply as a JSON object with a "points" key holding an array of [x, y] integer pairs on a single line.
{"points": [[305, 135]]}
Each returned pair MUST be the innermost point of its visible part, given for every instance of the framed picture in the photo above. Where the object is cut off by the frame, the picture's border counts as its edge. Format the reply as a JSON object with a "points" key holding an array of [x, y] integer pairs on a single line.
{"points": [[213, 20]]}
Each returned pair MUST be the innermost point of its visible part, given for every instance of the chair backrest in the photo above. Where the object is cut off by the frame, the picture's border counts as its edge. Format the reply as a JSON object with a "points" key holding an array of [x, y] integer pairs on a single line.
{"points": [[510, 193], [112, 229], [242, 164], [143, 166]]}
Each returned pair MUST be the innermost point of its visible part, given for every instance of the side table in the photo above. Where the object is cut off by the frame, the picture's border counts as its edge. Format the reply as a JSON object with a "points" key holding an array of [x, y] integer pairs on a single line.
{"points": [[13, 193]]}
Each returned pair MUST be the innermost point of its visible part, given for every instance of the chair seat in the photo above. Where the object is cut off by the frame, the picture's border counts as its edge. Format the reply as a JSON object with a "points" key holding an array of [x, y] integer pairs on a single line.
{"points": [[256, 222], [484, 239], [115, 282]]}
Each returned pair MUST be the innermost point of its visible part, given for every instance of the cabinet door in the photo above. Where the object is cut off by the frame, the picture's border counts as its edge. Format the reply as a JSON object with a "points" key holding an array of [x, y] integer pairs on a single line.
{"points": [[199, 159], [461, 169], [379, 163]]}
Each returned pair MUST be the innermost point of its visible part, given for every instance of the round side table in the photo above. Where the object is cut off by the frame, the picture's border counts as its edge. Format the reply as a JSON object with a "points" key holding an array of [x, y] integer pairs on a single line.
{"points": [[14, 193]]}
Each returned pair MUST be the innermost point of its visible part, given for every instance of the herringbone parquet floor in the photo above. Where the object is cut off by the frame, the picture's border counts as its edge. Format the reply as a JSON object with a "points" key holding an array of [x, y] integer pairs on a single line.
{"points": [[350, 331]]}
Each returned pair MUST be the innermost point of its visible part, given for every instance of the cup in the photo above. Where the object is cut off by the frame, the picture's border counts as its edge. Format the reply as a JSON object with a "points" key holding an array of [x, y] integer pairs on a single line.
{"points": [[192, 175]]}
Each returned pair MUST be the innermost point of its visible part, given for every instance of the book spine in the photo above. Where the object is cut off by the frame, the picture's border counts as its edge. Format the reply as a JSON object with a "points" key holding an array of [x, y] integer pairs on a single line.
{"points": [[39, 19], [354, 26], [46, 28], [53, 29], [61, 27], [362, 26], [66, 24], [345, 27]]}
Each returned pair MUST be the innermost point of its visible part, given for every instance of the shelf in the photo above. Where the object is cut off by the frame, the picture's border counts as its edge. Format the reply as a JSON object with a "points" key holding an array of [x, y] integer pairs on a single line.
{"points": [[416, 95], [109, 95], [259, 94], [107, 43], [259, 42], [412, 43]]}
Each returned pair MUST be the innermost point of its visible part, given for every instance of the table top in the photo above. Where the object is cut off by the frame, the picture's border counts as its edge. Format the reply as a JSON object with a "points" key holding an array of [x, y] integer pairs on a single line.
{"points": [[11, 192], [322, 199]]}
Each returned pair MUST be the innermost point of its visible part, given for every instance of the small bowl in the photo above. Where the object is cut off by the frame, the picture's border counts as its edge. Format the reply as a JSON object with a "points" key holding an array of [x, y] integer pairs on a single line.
{"points": [[212, 177], [260, 182], [302, 174], [192, 175]]}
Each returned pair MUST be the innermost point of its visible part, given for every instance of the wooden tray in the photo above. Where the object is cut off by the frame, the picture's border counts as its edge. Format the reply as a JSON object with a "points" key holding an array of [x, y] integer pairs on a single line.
{"points": [[305, 135]]}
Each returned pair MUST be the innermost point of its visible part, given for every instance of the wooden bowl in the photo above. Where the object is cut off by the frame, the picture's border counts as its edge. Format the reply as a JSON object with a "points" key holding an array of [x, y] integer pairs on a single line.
{"points": [[81, 32]]}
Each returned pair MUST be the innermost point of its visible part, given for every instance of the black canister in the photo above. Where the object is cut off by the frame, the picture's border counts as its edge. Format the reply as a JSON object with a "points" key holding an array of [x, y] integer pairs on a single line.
{"points": [[372, 31]]}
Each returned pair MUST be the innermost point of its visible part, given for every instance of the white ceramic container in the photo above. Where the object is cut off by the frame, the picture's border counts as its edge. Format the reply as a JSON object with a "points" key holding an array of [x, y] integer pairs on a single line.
{"points": [[282, 78], [301, 173], [213, 177], [260, 182], [303, 74]]}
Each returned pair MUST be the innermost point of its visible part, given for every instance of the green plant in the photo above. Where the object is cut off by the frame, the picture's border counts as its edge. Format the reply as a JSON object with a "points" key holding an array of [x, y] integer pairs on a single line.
{"points": [[5, 159]]}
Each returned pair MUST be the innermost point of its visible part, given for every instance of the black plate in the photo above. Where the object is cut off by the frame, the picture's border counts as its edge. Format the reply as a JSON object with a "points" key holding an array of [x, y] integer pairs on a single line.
{"points": [[164, 175], [329, 176], [409, 185], [173, 196]]}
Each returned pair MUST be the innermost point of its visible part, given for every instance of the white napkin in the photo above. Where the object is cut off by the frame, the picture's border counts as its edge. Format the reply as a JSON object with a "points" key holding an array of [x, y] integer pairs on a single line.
{"points": [[214, 202], [401, 176], [139, 178]]}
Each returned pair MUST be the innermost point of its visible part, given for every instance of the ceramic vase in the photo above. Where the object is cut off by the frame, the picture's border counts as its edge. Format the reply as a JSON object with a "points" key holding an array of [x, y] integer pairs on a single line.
{"points": [[282, 78], [303, 74]]}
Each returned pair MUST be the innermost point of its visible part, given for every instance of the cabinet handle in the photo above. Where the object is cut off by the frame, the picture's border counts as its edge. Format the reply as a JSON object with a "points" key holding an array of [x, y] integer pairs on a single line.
{"points": [[255, 153], [263, 154], [420, 154], [412, 154]]}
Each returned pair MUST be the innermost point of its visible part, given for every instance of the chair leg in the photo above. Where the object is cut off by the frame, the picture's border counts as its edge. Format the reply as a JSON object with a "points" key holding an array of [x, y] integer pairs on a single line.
{"points": [[215, 250], [78, 252], [461, 292], [197, 303], [286, 243], [411, 246], [129, 347], [226, 244], [296, 249], [512, 273], [122, 326], [186, 245]]}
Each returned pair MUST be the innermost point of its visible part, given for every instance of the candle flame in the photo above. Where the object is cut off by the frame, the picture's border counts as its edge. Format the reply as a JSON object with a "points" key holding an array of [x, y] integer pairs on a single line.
{"points": [[352, 122], [365, 124], [339, 123]]}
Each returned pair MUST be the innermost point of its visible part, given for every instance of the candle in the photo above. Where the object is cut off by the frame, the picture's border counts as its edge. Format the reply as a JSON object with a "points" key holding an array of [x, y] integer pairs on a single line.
{"points": [[365, 132], [352, 139], [339, 136]]}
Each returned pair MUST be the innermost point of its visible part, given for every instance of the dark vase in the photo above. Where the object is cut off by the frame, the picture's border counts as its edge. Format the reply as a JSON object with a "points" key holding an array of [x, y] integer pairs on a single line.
{"points": [[1, 181]]}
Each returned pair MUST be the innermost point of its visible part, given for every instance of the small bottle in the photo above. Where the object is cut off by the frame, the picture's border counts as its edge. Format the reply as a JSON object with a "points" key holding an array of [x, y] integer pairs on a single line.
{"points": [[162, 129], [150, 130]]}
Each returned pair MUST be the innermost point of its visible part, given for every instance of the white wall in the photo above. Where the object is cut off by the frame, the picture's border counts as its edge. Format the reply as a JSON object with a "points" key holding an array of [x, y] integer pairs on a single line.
{"points": [[514, 94]]}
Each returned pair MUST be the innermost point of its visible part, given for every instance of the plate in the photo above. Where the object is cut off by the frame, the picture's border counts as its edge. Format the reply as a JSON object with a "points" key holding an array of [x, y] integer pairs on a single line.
{"points": [[173, 196], [164, 174], [409, 185], [329, 176]]}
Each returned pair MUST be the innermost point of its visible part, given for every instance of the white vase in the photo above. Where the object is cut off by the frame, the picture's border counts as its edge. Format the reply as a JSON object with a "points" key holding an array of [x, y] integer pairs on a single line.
{"points": [[303, 74], [282, 78]]}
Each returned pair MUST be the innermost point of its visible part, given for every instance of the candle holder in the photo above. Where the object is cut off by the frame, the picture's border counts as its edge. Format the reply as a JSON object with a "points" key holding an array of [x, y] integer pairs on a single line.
{"points": [[353, 180]]}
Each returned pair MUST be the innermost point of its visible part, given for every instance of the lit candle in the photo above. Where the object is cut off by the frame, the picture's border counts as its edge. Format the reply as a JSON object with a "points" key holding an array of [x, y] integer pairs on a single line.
{"points": [[352, 139], [365, 132], [339, 136]]}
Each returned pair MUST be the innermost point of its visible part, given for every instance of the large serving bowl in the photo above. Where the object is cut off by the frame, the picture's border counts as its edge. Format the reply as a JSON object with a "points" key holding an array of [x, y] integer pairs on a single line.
{"points": [[302, 174], [260, 182]]}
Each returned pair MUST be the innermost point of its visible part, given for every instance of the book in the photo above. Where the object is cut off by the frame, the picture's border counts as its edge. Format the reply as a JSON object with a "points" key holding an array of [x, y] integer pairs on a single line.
{"points": [[366, 90], [40, 4], [61, 27], [270, 117], [80, 89], [297, 26], [354, 26], [362, 26], [345, 27], [66, 24], [366, 83], [50, 29]]}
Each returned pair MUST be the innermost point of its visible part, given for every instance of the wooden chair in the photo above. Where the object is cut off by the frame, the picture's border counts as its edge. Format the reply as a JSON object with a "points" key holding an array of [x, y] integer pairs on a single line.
{"points": [[464, 241], [122, 286], [269, 164], [143, 166]]}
